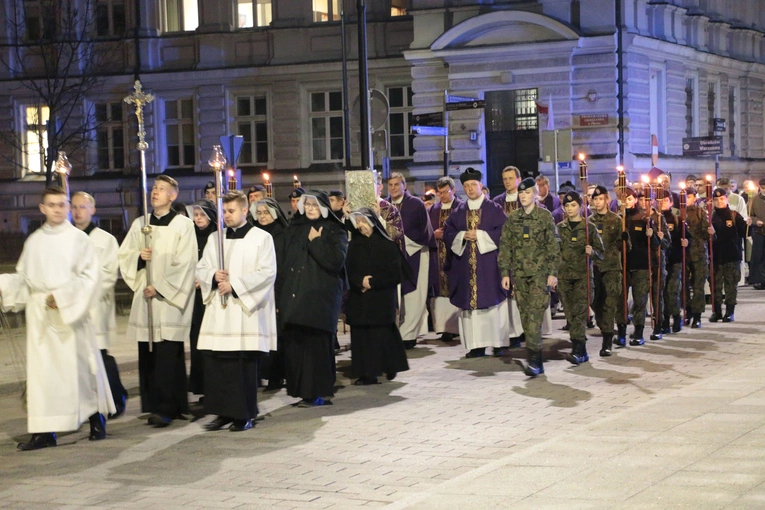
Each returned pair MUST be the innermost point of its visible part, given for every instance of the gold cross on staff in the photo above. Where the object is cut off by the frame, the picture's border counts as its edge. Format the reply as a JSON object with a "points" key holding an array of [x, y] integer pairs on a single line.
{"points": [[140, 98]]}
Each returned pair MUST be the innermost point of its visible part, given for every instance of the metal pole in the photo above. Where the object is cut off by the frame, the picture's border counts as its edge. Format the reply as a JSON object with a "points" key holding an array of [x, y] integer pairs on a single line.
{"points": [[446, 134], [717, 168], [585, 203], [218, 163], [555, 157], [346, 109], [623, 187], [620, 79], [366, 136], [139, 98], [683, 214], [711, 240]]}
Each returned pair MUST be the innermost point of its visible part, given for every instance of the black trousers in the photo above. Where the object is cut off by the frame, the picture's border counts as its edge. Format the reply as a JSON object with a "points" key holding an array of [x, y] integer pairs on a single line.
{"points": [[196, 372], [119, 393], [231, 383], [162, 377]]}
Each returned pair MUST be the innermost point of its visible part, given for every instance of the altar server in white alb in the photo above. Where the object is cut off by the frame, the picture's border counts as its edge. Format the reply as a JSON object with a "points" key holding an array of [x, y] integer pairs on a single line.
{"points": [[173, 256], [56, 279], [233, 336], [102, 313]]}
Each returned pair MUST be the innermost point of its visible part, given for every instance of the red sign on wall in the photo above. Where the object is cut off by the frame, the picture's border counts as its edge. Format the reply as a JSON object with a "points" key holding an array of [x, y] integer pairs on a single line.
{"points": [[595, 119]]}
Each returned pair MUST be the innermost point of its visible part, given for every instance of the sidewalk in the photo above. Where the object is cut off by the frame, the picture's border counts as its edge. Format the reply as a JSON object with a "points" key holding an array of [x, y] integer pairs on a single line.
{"points": [[678, 423]]}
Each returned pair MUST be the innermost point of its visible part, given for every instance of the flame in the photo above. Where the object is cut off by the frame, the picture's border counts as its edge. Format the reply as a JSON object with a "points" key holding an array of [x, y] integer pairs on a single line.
{"points": [[751, 186], [265, 176], [645, 179], [709, 178], [581, 156], [682, 186], [230, 173], [620, 169], [294, 177]]}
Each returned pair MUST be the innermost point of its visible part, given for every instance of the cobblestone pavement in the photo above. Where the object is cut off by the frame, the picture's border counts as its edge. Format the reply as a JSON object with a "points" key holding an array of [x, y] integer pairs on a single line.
{"points": [[678, 423]]}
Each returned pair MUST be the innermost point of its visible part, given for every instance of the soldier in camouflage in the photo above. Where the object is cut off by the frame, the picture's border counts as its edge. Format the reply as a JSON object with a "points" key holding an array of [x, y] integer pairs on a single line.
{"points": [[607, 273], [659, 264], [529, 256], [577, 252], [697, 264], [674, 287]]}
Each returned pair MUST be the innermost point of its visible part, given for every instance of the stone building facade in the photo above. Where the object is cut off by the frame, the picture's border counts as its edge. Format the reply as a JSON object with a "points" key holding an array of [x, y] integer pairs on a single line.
{"points": [[271, 71]]}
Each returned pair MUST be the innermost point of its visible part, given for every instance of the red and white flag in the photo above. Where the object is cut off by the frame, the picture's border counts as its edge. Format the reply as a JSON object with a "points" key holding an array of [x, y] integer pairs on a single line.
{"points": [[550, 115], [654, 150]]}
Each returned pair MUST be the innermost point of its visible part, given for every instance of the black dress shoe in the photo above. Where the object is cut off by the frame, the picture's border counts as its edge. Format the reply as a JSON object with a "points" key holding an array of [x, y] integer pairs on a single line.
{"points": [[409, 344], [391, 375], [97, 427], [241, 425], [476, 353], [759, 286], [159, 421], [120, 404], [498, 352], [218, 423], [38, 441]]}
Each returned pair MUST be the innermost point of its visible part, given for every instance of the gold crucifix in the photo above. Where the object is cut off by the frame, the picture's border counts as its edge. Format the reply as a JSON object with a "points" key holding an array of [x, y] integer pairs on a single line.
{"points": [[139, 98]]}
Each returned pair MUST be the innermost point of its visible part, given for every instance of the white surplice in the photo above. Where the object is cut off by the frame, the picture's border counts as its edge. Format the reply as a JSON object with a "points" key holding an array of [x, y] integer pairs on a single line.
{"points": [[66, 380], [414, 311], [102, 312], [248, 323], [173, 262]]}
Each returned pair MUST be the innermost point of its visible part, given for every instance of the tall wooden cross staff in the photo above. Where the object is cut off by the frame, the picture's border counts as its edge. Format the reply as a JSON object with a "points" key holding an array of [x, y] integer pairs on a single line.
{"points": [[139, 98], [622, 185]]}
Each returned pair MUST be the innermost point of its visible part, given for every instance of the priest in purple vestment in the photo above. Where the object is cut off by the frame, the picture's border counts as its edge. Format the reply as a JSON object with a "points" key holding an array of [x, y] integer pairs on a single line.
{"points": [[508, 201], [472, 232], [546, 199], [418, 239], [445, 314]]}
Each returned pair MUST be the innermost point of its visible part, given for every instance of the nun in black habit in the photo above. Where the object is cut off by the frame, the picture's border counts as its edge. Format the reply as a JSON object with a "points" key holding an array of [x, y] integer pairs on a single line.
{"points": [[374, 266], [205, 217], [270, 217], [313, 276]]}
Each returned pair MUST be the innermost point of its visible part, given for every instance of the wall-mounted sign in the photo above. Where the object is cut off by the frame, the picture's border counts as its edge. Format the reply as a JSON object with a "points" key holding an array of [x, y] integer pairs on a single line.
{"points": [[593, 119], [702, 146]]}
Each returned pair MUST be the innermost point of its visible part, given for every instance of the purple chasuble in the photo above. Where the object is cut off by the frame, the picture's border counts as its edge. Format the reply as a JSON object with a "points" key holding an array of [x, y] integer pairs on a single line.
{"points": [[474, 279], [438, 278], [613, 206], [506, 206], [550, 202], [414, 216], [393, 225]]}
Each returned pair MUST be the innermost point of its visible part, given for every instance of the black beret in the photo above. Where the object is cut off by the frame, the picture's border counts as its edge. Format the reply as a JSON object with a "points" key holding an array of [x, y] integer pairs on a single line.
{"points": [[630, 192], [719, 192], [690, 190], [527, 183], [599, 191], [566, 187], [572, 196], [470, 174], [337, 193], [256, 188], [209, 185], [297, 193], [762, 182]]}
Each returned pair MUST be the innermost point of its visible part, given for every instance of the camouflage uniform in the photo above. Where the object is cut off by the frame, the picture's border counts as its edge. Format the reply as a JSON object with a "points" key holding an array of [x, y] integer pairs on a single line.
{"points": [[572, 282], [529, 253], [608, 272], [697, 265], [674, 287], [659, 271]]}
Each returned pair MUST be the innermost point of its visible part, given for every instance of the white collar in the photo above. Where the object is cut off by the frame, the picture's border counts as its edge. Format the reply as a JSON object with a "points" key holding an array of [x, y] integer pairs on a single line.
{"points": [[511, 197], [447, 206], [475, 204], [398, 200]]}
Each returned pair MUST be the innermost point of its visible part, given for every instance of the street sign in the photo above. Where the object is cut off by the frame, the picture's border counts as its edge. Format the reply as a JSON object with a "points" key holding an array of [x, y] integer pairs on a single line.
{"points": [[718, 125], [429, 119], [466, 105], [232, 146], [461, 99], [429, 130], [702, 146], [564, 165]]}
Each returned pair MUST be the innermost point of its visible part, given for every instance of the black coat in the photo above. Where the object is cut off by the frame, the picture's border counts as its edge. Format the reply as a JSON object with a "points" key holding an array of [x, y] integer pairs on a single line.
{"points": [[380, 258], [312, 274], [730, 230]]}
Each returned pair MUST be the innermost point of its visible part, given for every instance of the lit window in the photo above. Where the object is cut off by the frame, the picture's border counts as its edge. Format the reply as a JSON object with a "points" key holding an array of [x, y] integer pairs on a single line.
{"points": [[252, 124], [398, 7], [110, 136], [526, 109], [261, 17], [110, 18], [326, 126], [179, 132], [326, 10], [35, 138], [181, 15], [399, 121]]}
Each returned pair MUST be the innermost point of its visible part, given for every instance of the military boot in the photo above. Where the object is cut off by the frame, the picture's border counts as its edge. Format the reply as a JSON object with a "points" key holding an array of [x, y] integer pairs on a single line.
{"points": [[677, 323], [621, 336], [535, 366], [688, 317], [696, 321], [578, 353], [729, 309], [666, 329], [97, 427], [717, 314], [608, 341], [637, 336], [657, 332]]}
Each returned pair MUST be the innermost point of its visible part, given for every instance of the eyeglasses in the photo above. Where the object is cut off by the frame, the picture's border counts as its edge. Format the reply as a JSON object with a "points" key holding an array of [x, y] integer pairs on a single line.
{"points": [[313, 205]]}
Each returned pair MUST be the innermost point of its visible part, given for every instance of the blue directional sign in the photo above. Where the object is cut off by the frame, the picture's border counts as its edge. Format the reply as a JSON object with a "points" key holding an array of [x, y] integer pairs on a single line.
{"points": [[232, 146], [429, 130], [461, 99]]}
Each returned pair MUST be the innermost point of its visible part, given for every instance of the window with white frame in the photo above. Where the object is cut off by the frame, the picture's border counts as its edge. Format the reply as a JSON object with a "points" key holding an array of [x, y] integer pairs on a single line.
{"points": [[110, 136], [326, 10], [39, 23], [400, 141], [35, 138], [253, 13], [656, 107], [732, 121], [326, 126], [252, 125], [690, 107], [181, 15], [111, 18], [179, 132], [713, 89], [110, 224]]}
